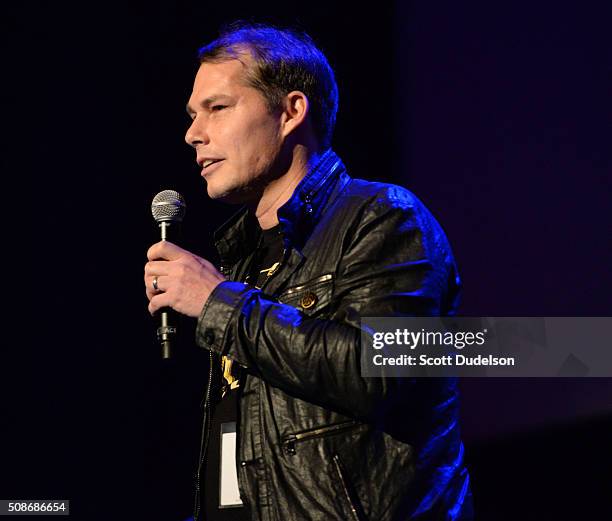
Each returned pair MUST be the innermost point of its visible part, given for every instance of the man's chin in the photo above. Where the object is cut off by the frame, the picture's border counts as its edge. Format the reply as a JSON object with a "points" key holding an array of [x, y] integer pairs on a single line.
{"points": [[235, 196]]}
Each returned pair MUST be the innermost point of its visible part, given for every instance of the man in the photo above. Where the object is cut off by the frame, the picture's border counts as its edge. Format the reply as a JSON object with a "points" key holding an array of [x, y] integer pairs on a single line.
{"points": [[310, 252]]}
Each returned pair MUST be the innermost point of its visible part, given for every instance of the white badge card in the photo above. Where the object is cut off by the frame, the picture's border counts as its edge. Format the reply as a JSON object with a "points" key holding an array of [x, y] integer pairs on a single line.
{"points": [[229, 495]]}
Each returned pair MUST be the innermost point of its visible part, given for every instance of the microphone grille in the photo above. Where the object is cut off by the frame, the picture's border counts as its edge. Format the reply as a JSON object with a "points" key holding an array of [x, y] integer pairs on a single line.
{"points": [[168, 206]]}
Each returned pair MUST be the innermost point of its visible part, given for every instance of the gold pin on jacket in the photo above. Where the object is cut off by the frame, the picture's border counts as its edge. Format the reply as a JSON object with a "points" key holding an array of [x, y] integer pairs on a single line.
{"points": [[308, 300], [271, 270]]}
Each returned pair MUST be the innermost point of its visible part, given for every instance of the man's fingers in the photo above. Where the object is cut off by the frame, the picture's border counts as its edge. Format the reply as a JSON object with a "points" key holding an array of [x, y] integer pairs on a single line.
{"points": [[164, 250], [158, 301], [156, 284], [183, 280], [153, 268]]}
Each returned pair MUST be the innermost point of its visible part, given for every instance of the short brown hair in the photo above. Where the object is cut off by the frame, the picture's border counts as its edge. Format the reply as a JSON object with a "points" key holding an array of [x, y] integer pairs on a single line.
{"points": [[285, 60]]}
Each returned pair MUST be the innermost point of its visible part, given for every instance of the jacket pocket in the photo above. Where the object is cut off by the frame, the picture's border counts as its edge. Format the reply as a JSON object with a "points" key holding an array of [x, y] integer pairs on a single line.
{"points": [[310, 296], [348, 491], [292, 441]]}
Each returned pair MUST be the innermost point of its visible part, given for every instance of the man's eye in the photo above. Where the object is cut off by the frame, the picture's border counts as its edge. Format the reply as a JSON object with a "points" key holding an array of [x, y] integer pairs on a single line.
{"points": [[216, 108]]}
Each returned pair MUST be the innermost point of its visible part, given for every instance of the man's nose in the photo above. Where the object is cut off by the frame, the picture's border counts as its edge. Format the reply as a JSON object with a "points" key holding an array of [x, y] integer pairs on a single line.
{"points": [[196, 133]]}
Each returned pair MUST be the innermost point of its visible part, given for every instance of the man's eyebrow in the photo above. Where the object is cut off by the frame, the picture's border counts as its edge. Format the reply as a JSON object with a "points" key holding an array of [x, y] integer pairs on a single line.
{"points": [[206, 102]]}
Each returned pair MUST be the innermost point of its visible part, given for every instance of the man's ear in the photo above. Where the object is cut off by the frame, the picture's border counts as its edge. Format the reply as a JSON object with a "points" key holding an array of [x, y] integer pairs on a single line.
{"points": [[296, 108]]}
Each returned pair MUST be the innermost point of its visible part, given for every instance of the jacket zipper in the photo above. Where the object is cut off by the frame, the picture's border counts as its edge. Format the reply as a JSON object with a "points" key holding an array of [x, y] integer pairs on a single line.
{"points": [[357, 512], [322, 278], [290, 441], [206, 427]]}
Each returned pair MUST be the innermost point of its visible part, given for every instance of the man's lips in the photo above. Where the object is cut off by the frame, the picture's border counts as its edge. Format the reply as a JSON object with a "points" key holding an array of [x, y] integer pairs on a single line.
{"points": [[210, 166]]}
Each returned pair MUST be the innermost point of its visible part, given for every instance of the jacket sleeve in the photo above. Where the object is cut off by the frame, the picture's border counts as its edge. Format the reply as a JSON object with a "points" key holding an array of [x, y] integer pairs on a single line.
{"points": [[394, 262]]}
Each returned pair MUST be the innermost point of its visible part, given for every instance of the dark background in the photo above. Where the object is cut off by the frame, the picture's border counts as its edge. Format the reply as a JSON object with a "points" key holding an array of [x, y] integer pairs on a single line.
{"points": [[496, 114]]}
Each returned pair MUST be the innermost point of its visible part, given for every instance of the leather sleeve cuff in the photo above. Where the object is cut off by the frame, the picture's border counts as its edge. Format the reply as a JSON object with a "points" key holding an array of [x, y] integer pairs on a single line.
{"points": [[222, 304]]}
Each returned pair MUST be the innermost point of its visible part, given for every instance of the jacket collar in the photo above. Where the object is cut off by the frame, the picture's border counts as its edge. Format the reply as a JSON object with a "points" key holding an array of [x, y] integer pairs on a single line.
{"points": [[238, 236]]}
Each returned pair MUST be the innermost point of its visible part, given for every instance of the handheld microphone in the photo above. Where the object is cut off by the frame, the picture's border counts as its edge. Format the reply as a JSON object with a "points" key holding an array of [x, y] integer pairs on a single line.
{"points": [[168, 209]]}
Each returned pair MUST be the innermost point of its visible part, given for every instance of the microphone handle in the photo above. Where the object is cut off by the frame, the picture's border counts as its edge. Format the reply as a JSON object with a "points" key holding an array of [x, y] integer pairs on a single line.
{"points": [[166, 332]]}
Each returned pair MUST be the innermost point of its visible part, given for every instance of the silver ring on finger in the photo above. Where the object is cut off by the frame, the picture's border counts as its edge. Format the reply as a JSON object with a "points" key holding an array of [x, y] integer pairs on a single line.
{"points": [[155, 286]]}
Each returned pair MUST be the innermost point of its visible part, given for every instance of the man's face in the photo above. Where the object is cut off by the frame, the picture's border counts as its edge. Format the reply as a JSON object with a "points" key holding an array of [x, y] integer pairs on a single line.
{"points": [[232, 126]]}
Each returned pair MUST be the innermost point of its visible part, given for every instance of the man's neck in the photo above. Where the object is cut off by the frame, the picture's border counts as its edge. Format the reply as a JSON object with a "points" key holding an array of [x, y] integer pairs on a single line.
{"points": [[280, 190]]}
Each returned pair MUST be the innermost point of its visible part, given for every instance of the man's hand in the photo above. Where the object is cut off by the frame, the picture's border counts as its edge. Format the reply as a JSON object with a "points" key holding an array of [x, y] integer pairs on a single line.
{"points": [[184, 280]]}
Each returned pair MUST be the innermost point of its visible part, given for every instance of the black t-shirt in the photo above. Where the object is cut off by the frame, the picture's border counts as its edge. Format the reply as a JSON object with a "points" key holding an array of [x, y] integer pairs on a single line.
{"points": [[268, 253]]}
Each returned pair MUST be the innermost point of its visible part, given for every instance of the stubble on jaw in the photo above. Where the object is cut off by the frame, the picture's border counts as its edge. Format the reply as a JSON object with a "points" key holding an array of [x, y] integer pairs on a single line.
{"points": [[251, 193]]}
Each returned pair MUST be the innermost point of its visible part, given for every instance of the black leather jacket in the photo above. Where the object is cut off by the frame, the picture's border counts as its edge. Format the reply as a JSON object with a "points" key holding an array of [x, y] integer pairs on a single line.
{"points": [[317, 441]]}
